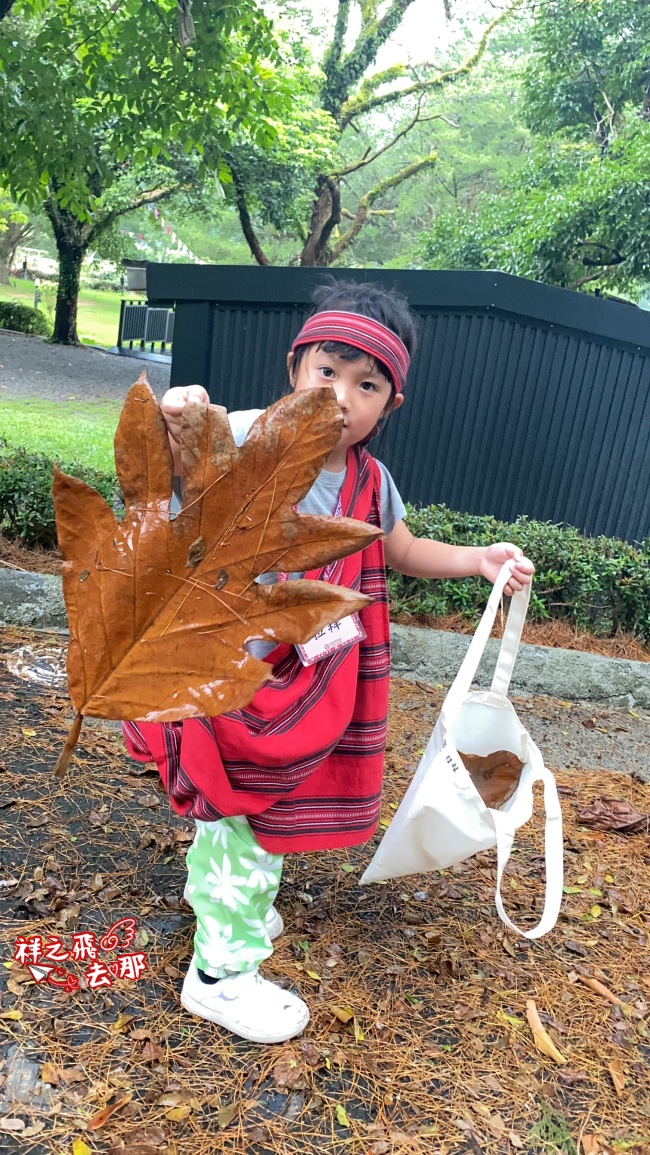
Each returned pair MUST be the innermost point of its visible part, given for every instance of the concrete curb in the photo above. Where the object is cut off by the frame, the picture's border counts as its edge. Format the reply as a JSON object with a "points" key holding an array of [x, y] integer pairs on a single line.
{"points": [[433, 656], [36, 601]]}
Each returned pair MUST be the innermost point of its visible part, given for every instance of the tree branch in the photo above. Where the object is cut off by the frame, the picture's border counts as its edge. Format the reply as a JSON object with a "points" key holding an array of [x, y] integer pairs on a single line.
{"points": [[244, 215], [358, 105], [341, 74], [152, 196], [366, 159], [333, 55], [325, 216], [367, 200], [592, 276]]}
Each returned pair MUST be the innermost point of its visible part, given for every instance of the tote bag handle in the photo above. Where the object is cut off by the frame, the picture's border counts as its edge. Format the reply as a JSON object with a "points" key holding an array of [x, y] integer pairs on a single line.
{"points": [[509, 645], [505, 829]]}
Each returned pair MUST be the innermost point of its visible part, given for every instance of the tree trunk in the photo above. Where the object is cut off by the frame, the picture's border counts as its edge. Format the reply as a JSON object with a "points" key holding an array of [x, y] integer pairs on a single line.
{"points": [[10, 239], [65, 317], [71, 236], [326, 215]]}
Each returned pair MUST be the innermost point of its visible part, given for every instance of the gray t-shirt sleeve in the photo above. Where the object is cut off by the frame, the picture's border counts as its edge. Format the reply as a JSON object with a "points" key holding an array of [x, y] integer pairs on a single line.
{"points": [[392, 506], [240, 422]]}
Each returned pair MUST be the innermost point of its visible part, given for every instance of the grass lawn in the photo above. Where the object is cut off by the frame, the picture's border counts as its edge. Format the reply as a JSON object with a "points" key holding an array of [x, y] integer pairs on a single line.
{"points": [[99, 312], [63, 429]]}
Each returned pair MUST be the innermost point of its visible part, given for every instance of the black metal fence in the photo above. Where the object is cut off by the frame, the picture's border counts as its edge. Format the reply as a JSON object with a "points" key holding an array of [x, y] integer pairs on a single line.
{"points": [[145, 327], [522, 399]]}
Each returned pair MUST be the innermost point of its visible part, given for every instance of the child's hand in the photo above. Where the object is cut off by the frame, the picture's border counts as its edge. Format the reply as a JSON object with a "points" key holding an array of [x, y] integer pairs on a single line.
{"points": [[173, 402], [493, 560]]}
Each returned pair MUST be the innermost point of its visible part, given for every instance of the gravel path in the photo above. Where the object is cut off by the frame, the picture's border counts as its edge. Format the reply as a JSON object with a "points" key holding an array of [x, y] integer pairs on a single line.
{"points": [[30, 367]]}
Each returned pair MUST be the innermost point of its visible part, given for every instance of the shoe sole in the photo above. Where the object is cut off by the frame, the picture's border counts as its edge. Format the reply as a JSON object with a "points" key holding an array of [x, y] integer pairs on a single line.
{"points": [[196, 1008]]}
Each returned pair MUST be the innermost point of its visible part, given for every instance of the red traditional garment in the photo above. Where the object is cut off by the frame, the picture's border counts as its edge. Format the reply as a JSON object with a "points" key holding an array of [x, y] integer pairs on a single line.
{"points": [[304, 761]]}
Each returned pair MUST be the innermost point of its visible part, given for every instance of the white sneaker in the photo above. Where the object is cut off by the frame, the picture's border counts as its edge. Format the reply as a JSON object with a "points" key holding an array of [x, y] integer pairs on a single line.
{"points": [[247, 1005], [273, 922]]}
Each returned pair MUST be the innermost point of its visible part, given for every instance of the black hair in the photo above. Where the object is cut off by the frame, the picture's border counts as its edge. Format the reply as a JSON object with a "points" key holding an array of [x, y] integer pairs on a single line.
{"points": [[388, 306]]}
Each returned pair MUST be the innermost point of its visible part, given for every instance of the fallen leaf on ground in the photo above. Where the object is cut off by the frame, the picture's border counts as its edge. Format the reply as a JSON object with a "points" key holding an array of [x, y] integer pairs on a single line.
{"points": [[287, 1073], [177, 1114], [343, 1014], [160, 610], [80, 1148], [226, 1115], [614, 814], [600, 989], [341, 1115], [73, 1075], [152, 1053], [36, 820], [543, 1040], [49, 1074], [120, 1023], [615, 1069], [596, 1145], [12, 1123], [136, 1149], [103, 1116]]}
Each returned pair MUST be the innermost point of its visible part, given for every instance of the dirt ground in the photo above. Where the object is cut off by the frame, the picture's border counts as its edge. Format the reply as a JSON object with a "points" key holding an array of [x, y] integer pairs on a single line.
{"points": [[30, 367], [418, 1040]]}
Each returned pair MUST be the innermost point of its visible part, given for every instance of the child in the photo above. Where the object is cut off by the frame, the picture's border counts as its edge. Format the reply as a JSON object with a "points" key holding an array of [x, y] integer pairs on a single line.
{"points": [[301, 767]]}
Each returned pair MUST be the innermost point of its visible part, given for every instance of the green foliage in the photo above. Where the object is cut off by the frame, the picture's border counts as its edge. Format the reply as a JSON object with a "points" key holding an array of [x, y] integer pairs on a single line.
{"points": [[580, 210], [10, 213], [24, 319], [79, 92], [481, 144], [599, 584], [95, 126], [589, 65], [569, 210], [26, 507], [280, 180]]}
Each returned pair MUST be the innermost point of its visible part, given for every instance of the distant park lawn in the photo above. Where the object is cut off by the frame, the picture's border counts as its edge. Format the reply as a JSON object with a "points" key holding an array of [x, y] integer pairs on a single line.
{"points": [[67, 430], [98, 316]]}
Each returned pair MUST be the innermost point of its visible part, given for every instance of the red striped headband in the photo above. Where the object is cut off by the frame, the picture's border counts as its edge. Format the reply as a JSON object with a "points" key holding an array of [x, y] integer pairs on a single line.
{"points": [[370, 336]]}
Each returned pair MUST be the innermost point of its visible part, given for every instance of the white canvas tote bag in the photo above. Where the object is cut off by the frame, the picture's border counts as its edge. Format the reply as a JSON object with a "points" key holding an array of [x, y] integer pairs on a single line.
{"points": [[442, 818]]}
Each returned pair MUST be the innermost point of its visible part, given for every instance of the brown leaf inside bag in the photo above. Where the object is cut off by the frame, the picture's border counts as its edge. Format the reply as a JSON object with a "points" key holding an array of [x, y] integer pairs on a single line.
{"points": [[495, 776]]}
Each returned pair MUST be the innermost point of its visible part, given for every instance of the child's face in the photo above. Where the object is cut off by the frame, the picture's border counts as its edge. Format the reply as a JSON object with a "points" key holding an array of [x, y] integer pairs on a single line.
{"points": [[363, 393]]}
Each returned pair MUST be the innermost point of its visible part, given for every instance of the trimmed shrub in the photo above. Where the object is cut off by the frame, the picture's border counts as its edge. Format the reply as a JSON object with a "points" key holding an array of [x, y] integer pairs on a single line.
{"points": [[599, 584], [24, 319], [26, 506]]}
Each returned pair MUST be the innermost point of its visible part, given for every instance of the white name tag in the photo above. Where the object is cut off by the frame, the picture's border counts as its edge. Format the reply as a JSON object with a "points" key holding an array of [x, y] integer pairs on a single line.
{"points": [[338, 636]]}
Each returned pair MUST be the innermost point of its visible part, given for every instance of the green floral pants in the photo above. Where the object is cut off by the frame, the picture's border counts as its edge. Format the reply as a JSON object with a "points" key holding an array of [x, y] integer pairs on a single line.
{"points": [[232, 882]]}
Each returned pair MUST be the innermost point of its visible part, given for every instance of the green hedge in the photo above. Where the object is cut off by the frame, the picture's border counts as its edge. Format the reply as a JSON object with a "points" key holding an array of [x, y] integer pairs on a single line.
{"points": [[24, 319], [600, 584], [26, 507], [597, 583]]}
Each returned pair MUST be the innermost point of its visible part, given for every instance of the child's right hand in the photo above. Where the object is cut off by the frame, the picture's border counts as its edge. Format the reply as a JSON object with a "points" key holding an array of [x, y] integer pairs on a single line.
{"points": [[173, 402]]}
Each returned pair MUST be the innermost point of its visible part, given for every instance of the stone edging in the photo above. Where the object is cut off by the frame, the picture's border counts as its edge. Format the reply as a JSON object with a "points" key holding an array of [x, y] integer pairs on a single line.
{"points": [[36, 601]]}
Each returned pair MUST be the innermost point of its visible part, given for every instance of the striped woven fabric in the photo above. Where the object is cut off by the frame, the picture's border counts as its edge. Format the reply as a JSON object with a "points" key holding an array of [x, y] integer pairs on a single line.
{"points": [[370, 336], [304, 761]]}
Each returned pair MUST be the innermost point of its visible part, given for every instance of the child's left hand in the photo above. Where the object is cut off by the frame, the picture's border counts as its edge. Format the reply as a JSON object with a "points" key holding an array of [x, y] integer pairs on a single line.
{"points": [[493, 559]]}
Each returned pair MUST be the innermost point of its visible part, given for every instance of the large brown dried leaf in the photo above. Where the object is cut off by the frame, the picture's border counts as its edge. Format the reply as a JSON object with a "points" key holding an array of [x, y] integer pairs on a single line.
{"points": [[159, 610], [495, 776], [614, 814]]}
